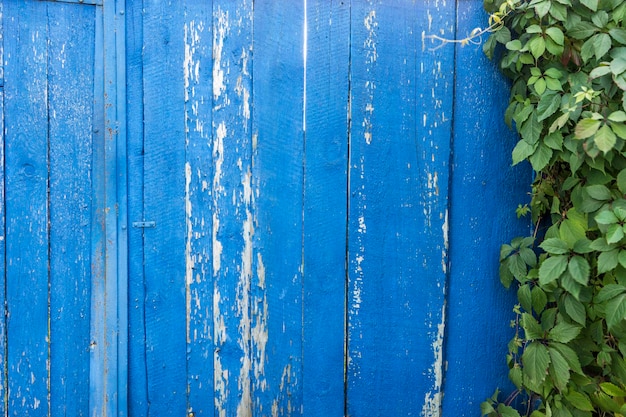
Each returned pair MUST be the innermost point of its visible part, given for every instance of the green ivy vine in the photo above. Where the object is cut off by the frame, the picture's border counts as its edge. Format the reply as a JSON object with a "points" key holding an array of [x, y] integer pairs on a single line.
{"points": [[567, 63]]}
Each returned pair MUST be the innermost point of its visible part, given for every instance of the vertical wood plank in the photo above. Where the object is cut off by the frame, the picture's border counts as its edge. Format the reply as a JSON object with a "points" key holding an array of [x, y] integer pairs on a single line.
{"points": [[198, 40], [325, 207], [164, 204], [400, 149], [70, 78], [98, 236], [232, 208], [3, 275], [137, 373], [278, 92], [486, 190], [26, 56]]}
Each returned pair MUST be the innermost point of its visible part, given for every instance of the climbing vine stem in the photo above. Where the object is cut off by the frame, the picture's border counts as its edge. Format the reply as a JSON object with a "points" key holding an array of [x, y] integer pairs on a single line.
{"points": [[567, 63]]}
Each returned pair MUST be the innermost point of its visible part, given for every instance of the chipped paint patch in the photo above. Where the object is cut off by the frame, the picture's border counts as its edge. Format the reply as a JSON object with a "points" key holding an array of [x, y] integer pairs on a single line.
{"points": [[219, 34], [433, 398], [444, 250]]}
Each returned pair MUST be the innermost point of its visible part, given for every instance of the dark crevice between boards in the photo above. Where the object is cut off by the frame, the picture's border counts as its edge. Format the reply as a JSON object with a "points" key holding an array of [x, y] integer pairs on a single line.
{"points": [[446, 283]]}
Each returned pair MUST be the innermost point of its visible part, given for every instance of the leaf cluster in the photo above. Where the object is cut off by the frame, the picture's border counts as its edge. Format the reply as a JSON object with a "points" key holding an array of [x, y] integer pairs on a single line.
{"points": [[567, 63]]}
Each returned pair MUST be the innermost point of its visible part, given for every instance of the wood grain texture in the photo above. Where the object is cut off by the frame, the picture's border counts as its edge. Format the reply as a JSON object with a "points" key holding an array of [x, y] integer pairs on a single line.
{"points": [[232, 207], [485, 192], [70, 76], [325, 207], [164, 199], [399, 169], [198, 42], [277, 177], [26, 147], [3, 315], [137, 372]]}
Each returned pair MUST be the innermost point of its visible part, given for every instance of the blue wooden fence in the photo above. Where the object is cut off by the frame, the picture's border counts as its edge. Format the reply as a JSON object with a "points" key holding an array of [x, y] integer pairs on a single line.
{"points": [[251, 208]]}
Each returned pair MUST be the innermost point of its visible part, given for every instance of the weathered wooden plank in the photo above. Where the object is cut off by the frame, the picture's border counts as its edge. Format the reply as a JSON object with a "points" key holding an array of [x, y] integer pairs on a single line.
{"points": [[234, 319], [325, 207], [3, 316], [400, 147], [137, 377], [198, 39], [26, 146], [277, 177], [486, 190], [164, 204], [70, 85], [98, 236]]}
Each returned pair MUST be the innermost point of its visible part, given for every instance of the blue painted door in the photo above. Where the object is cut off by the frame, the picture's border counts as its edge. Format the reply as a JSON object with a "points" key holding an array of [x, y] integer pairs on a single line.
{"points": [[242, 208]]}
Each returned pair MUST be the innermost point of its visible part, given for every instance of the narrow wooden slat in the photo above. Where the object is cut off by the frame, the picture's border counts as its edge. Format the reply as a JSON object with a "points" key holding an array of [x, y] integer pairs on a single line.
{"points": [[198, 41], [486, 190], [98, 236], [277, 174], [164, 204], [70, 77], [400, 149], [26, 146], [3, 276], [325, 207], [232, 208], [137, 377], [3, 317]]}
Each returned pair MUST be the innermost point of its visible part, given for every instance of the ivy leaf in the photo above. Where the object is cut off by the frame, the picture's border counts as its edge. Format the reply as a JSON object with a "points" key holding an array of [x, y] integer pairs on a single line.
{"points": [[522, 151], [598, 45], [507, 411], [608, 292], [564, 332], [621, 258], [541, 157], [531, 129], [537, 46], [554, 246], [579, 401], [619, 129], [598, 192], [618, 34], [575, 309], [615, 310], [618, 66], [535, 360], [606, 217], [559, 369], [582, 30], [614, 233], [570, 356], [591, 4], [586, 128], [552, 268], [524, 297], [621, 181], [556, 35], [607, 261], [548, 105], [572, 230], [612, 389], [579, 269], [605, 139], [539, 299], [532, 328]]}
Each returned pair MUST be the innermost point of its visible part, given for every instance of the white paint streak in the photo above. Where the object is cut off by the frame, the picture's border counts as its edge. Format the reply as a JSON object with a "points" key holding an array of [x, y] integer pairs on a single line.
{"points": [[189, 258], [444, 250], [371, 55], [218, 156], [432, 399], [223, 26]]}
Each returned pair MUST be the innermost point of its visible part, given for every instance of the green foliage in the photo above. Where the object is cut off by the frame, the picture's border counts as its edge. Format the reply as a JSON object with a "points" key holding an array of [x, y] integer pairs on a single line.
{"points": [[567, 63]]}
